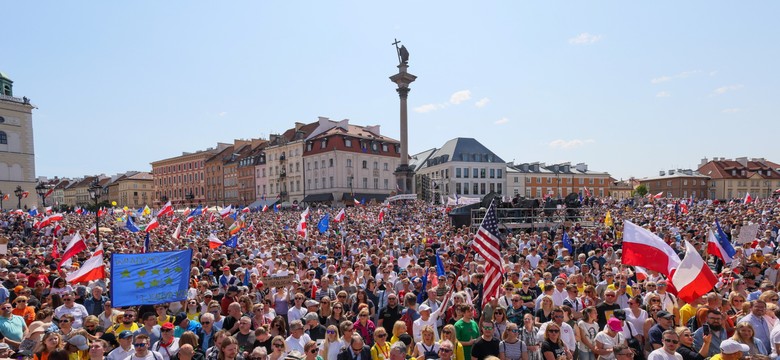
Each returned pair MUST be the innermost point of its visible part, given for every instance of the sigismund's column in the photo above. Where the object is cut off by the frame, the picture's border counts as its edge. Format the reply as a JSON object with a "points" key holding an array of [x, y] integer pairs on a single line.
{"points": [[404, 175]]}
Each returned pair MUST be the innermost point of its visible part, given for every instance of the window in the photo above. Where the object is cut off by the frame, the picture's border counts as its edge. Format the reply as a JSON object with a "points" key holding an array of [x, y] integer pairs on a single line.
{"points": [[457, 188], [387, 184], [475, 188], [365, 183], [475, 173], [386, 167], [376, 165], [466, 189], [685, 182], [457, 173], [466, 173], [492, 173], [2, 119], [330, 162], [365, 164], [500, 173], [482, 173], [482, 188], [492, 187], [384, 148], [348, 142], [324, 143], [376, 183], [499, 188], [349, 163], [527, 180], [668, 182]]}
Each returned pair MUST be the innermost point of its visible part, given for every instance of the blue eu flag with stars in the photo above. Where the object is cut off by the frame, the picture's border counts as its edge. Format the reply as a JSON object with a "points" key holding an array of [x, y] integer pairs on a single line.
{"points": [[151, 278]]}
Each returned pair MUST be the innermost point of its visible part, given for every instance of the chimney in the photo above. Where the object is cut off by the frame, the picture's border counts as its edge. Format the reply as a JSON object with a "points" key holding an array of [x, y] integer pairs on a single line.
{"points": [[742, 161], [704, 161], [298, 125], [583, 167], [671, 172], [374, 129], [662, 173]]}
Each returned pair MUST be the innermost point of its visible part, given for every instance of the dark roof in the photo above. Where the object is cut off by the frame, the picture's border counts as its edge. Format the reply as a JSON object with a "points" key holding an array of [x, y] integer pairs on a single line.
{"points": [[460, 149]]}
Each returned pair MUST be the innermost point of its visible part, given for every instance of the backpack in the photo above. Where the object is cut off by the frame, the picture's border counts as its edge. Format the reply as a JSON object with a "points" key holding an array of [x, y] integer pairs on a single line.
{"points": [[692, 324], [407, 319]]}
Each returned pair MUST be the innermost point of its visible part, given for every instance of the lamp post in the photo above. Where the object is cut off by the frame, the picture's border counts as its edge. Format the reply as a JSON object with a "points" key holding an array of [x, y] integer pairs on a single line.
{"points": [[41, 190], [351, 192], [94, 193], [1, 200], [18, 192]]}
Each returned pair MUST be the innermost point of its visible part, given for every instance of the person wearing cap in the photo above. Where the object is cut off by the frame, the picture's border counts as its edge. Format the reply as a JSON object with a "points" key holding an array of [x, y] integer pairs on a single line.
{"points": [[182, 323], [664, 322], [168, 345], [125, 348], [427, 318], [606, 340], [731, 350], [94, 302], [669, 349], [229, 298], [76, 346], [668, 301], [226, 280], [313, 327]]}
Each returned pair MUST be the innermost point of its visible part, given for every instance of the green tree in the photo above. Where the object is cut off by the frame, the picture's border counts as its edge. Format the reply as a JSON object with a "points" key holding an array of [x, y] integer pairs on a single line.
{"points": [[641, 190]]}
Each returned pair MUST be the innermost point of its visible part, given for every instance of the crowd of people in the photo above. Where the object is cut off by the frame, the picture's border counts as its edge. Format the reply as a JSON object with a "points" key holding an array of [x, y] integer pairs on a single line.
{"points": [[408, 286]]}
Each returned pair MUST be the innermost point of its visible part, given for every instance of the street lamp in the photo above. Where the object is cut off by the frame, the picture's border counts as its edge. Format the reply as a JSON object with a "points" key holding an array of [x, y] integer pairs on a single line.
{"points": [[351, 178], [1, 200], [18, 192], [94, 193], [41, 190]]}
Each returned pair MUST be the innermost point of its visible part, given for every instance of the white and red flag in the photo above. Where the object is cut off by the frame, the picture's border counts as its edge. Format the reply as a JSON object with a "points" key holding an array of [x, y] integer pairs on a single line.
{"points": [[226, 211], [167, 209], [659, 195], [301, 228], [93, 269], [381, 215], [693, 278], [643, 248], [154, 224], [340, 216], [177, 232], [748, 199], [75, 246]]}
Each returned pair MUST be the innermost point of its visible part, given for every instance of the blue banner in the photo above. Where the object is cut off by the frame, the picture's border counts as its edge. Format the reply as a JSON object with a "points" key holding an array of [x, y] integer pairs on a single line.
{"points": [[151, 278]]}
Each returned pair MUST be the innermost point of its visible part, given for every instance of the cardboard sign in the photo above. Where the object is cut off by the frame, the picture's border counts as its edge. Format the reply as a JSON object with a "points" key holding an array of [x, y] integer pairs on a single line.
{"points": [[277, 281]]}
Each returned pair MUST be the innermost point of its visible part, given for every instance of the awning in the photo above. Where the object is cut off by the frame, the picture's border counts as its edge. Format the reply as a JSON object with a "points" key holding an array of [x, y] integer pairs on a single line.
{"points": [[260, 203], [363, 196], [318, 197]]}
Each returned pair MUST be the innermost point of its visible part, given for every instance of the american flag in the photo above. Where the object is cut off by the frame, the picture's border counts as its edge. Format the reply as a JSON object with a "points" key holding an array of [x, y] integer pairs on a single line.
{"points": [[487, 243]]}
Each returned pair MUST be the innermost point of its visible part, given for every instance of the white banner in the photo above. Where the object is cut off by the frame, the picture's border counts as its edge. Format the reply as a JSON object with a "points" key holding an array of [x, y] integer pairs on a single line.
{"points": [[462, 201], [403, 197], [747, 234]]}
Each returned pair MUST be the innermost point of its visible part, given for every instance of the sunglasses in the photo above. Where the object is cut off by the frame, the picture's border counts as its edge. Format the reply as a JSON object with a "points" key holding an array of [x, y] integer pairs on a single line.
{"points": [[671, 341], [279, 345], [554, 331], [140, 345], [313, 351], [445, 350], [381, 336], [330, 332], [166, 330]]}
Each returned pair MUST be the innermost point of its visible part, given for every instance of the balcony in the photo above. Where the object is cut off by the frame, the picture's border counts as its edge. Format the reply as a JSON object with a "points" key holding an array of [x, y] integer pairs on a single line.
{"points": [[282, 174], [282, 158], [283, 194]]}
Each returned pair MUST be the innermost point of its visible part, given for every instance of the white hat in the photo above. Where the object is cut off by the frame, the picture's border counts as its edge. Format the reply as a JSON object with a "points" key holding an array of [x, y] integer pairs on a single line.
{"points": [[732, 347], [424, 307]]}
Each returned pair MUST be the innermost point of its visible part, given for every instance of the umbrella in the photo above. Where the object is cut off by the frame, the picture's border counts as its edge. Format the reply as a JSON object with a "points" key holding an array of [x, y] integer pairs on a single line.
{"points": [[105, 229]]}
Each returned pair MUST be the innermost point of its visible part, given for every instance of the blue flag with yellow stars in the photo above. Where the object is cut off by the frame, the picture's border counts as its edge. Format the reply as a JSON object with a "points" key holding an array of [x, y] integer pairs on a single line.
{"points": [[151, 278]]}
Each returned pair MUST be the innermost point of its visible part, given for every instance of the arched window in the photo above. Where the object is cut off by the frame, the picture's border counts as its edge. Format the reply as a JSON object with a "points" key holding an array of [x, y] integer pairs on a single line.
{"points": [[3, 137]]}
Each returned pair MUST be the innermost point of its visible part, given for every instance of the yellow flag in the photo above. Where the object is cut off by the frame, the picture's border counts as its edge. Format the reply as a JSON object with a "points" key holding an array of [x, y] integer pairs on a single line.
{"points": [[147, 210], [608, 219]]}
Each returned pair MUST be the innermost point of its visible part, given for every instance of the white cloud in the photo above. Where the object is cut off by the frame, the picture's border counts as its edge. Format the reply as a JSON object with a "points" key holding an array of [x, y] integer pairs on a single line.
{"points": [[662, 94], [731, 110], [460, 96], [482, 102], [569, 144], [501, 121], [222, 114], [428, 108], [584, 39], [724, 89], [667, 78]]}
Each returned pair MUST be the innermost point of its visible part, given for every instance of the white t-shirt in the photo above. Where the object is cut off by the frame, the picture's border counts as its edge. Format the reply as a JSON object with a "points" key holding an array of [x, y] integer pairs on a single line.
{"points": [[661, 354], [533, 260], [774, 337], [609, 343]]}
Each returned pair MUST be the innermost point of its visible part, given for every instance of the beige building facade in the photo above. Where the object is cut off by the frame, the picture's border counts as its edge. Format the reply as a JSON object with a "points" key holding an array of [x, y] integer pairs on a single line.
{"points": [[17, 146]]}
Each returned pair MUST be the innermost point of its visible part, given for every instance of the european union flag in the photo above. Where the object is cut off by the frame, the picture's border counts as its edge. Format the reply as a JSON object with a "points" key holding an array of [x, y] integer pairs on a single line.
{"points": [[131, 226], [567, 243], [151, 278], [198, 211], [324, 224], [439, 266], [232, 242]]}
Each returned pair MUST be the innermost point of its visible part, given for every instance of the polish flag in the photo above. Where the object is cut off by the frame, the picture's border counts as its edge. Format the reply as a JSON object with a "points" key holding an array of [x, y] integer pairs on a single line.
{"points": [[641, 273], [6, 197], [48, 209], [302, 227], [245, 210], [305, 213], [748, 199], [381, 215], [152, 225], [75, 246], [57, 229], [25, 194], [587, 193], [214, 242], [226, 211], [357, 203], [55, 251], [693, 277], [78, 210], [186, 212], [190, 219], [659, 195], [265, 208], [340, 216], [212, 218], [643, 248], [49, 192], [93, 269], [167, 209], [177, 232], [93, 229], [189, 230]]}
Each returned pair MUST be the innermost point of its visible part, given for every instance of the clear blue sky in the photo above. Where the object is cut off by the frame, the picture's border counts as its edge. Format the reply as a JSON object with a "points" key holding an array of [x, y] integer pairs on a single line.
{"points": [[629, 88]]}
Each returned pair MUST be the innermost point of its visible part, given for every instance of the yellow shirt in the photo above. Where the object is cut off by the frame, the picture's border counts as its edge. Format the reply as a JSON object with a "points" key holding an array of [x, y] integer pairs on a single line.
{"points": [[629, 290], [379, 353], [458, 351], [686, 313], [118, 328]]}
